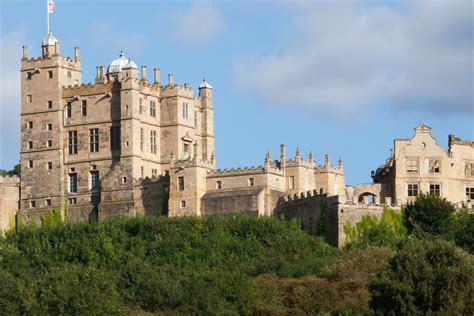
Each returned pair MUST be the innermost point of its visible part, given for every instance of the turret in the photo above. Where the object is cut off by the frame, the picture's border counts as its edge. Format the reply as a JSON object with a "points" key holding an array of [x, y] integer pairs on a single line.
{"points": [[268, 160], [298, 155], [282, 157]]}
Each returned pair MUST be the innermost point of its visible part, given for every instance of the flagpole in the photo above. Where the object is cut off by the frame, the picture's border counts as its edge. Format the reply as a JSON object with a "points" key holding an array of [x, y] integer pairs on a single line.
{"points": [[47, 15]]}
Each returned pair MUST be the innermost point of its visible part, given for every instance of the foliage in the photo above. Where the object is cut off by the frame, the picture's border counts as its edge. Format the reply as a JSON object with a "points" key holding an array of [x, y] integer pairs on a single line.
{"points": [[154, 264], [51, 218], [371, 231], [429, 213], [16, 171], [323, 221], [463, 230], [429, 276]]}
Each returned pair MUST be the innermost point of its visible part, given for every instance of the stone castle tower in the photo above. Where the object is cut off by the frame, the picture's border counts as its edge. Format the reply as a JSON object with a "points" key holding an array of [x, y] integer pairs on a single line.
{"points": [[105, 148]]}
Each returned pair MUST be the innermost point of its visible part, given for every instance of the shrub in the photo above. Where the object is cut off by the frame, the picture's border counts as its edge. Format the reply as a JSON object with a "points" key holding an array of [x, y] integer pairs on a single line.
{"points": [[425, 277]]}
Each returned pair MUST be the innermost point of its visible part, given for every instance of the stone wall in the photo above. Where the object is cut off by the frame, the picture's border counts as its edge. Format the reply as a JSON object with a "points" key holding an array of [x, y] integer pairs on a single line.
{"points": [[9, 196], [248, 201]]}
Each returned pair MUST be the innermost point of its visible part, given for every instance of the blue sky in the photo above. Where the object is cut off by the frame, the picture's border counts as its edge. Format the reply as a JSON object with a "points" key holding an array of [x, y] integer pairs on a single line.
{"points": [[340, 77]]}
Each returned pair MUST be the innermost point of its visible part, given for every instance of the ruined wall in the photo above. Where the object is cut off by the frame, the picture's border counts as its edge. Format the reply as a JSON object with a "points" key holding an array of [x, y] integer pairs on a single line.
{"points": [[9, 196]]}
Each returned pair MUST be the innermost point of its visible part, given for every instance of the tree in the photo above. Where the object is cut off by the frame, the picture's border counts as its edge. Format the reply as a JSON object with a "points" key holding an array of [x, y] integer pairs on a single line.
{"points": [[425, 277], [430, 213], [463, 231], [16, 171]]}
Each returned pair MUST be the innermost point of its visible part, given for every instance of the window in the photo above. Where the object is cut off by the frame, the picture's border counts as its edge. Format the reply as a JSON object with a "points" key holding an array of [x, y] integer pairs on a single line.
{"points": [[195, 119], [49, 143], [50, 74], [72, 142], [219, 185], [469, 169], [30, 125], [50, 105], [29, 75], [291, 182], [69, 74], [68, 110], [186, 149], [152, 108], [29, 98], [95, 180], [94, 140], [435, 189], [470, 193], [72, 201], [30, 145], [185, 110], [32, 204], [142, 172], [412, 165], [115, 138], [153, 142], [140, 107], [50, 165], [47, 202], [154, 173], [49, 127], [251, 182], [30, 163], [413, 189], [124, 180], [142, 139], [435, 166], [183, 204], [73, 182], [180, 183], [84, 108]]}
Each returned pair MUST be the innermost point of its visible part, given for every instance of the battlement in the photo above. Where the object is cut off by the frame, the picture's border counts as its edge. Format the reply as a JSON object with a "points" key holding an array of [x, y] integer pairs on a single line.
{"points": [[303, 196], [188, 163], [325, 168], [453, 140], [301, 163], [237, 171], [86, 89], [10, 180], [172, 89]]}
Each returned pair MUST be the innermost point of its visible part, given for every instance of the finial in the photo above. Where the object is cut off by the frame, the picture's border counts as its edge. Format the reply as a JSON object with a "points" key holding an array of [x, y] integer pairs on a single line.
{"points": [[121, 54], [340, 161], [311, 155], [328, 159], [267, 156]]}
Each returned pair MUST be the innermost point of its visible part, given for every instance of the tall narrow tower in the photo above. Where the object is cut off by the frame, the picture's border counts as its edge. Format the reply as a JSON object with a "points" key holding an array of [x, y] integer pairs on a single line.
{"points": [[207, 110], [42, 116]]}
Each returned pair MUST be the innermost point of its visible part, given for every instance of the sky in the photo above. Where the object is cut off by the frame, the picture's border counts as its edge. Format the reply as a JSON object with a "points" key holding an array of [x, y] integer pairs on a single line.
{"points": [[343, 78]]}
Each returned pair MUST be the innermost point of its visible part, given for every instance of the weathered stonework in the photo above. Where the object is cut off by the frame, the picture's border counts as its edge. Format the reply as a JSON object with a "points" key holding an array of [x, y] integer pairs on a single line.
{"points": [[9, 197], [127, 145]]}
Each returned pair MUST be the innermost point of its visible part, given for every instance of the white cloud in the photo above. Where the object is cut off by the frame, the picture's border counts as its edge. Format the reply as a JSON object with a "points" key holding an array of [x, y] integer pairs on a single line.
{"points": [[199, 25], [10, 57], [346, 57]]}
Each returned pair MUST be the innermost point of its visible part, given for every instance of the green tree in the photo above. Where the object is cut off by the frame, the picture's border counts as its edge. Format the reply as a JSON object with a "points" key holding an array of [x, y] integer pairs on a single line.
{"points": [[463, 230], [430, 213], [425, 277], [16, 171]]}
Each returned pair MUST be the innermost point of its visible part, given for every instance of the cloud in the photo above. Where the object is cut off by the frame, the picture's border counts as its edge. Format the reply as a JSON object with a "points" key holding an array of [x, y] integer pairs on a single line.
{"points": [[10, 57], [109, 37], [199, 25], [348, 56]]}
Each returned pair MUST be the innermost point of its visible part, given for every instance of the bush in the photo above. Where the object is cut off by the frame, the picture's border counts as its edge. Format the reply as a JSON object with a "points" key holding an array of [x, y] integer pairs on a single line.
{"points": [[425, 277], [430, 213], [463, 231]]}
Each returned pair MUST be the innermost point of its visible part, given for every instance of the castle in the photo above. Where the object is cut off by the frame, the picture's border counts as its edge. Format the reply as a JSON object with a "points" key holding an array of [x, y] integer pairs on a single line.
{"points": [[132, 145]]}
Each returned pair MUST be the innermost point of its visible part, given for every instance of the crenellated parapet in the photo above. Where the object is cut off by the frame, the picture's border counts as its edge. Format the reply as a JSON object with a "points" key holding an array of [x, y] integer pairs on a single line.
{"points": [[70, 91], [10, 180]]}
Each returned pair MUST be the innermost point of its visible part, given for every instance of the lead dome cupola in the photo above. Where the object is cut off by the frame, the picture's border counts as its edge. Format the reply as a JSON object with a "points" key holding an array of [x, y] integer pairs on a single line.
{"points": [[121, 63], [50, 40]]}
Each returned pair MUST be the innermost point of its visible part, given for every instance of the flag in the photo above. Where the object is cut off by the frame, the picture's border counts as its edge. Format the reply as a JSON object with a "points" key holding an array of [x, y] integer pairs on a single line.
{"points": [[51, 6]]}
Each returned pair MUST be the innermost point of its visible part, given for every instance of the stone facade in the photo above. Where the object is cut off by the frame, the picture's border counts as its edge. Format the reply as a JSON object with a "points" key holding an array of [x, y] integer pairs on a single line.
{"points": [[133, 146], [9, 194]]}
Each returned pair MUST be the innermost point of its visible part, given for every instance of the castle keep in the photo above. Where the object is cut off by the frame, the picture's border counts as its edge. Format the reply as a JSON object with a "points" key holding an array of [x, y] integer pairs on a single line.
{"points": [[129, 144]]}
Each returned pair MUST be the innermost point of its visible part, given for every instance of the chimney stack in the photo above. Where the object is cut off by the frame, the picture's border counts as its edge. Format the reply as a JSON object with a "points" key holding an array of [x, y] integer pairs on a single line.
{"points": [[170, 80], [144, 73], [76, 54], [156, 80], [25, 52]]}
